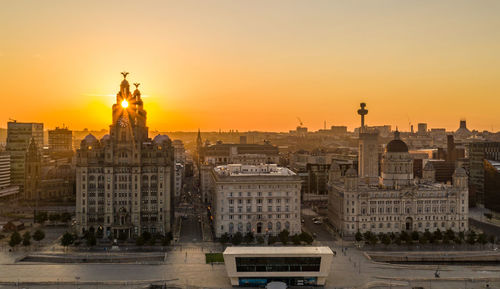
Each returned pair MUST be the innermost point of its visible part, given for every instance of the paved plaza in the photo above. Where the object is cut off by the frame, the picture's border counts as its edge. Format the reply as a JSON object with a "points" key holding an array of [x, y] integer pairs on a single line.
{"points": [[185, 268]]}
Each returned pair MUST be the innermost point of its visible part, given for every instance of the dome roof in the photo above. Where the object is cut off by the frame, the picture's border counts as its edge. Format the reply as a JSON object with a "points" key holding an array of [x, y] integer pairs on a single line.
{"points": [[105, 137], [351, 172], [460, 172], [161, 138], [90, 138]]}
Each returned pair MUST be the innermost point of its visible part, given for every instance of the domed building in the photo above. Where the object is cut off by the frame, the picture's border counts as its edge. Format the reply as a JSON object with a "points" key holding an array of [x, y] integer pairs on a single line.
{"points": [[399, 202], [397, 164], [124, 181]]}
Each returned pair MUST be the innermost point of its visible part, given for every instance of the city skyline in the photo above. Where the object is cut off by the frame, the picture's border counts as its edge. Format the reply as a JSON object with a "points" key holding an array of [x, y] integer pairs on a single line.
{"points": [[235, 65]]}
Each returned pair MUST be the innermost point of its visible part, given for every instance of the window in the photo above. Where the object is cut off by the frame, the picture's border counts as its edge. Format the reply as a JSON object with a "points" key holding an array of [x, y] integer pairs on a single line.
{"points": [[278, 264]]}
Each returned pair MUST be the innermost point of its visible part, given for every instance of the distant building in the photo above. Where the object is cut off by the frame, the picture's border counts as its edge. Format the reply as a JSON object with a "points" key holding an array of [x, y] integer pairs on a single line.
{"points": [[60, 140], [478, 152], [263, 199], [19, 135], [422, 129], [6, 189], [222, 153]]}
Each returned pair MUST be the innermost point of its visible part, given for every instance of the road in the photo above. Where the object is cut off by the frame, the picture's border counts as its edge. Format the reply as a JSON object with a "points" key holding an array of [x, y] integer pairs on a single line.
{"points": [[190, 230], [322, 234]]}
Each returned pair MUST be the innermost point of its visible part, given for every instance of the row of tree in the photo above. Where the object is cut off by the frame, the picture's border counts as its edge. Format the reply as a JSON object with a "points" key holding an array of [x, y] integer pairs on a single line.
{"points": [[145, 239], [437, 237], [42, 217], [25, 239], [284, 237]]}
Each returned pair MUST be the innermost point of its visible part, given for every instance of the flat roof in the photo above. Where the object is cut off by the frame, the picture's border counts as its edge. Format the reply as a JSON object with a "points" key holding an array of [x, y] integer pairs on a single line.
{"points": [[278, 251]]}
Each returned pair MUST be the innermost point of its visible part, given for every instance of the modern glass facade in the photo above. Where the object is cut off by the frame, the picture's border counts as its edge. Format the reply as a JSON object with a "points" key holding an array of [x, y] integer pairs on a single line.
{"points": [[278, 264]]}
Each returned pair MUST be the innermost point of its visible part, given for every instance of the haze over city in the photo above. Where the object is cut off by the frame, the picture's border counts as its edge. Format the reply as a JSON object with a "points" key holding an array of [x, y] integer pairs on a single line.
{"points": [[253, 65]]}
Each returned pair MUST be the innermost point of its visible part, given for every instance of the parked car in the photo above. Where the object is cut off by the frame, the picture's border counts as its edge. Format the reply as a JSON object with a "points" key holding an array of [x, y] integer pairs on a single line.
{"points": [[318, 222]]}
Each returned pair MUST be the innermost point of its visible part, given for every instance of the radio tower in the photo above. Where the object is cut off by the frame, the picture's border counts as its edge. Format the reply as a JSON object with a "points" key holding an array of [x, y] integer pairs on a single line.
{"points": [[362, 111]]}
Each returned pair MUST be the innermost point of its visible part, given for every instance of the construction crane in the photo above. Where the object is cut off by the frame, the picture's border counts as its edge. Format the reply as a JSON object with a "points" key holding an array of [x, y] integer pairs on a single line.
{"points": [[300, 121]]}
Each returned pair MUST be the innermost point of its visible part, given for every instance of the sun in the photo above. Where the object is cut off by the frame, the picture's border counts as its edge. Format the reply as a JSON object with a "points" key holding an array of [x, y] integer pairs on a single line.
{"points": [[124, 103]]}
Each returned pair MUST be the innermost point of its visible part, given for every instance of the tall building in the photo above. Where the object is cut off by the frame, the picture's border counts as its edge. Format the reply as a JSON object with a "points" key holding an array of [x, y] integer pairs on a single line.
{"points": [[32, 172], [368, 150], [263, 199], [19, 135], [124, 182], [60, 140], [478, 152]]}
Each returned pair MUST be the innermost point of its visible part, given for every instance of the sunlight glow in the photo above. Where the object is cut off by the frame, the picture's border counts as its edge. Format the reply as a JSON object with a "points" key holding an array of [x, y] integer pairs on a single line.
{"points": [[124, 103]]}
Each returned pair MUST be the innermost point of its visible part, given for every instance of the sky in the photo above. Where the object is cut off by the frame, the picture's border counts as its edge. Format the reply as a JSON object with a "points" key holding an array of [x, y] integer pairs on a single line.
{"points": [[252, 65]]}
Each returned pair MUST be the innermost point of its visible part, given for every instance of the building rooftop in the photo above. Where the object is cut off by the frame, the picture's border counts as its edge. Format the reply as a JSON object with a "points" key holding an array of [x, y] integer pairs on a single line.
{"points": [[278, 251], [252, 170]]}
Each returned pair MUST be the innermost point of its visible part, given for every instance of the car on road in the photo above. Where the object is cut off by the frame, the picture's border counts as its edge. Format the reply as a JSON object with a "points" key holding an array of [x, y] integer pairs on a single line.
{"points": [[318, 222]]}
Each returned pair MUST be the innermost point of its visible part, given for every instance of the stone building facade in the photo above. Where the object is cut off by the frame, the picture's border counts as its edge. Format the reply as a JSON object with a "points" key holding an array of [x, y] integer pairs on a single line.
{"points": [[398, 202], [124, 182], [263, 199]]}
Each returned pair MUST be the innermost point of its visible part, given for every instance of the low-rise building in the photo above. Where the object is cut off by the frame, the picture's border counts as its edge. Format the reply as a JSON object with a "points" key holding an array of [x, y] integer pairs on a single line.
{"points": [[295, 266]]}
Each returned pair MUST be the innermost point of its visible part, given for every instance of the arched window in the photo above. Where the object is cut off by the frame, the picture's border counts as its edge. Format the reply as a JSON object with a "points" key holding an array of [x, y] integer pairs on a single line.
{"points": [[270, 226], [240, 227], [231, 228], [287, 225], [249, 227], [278, 226]]}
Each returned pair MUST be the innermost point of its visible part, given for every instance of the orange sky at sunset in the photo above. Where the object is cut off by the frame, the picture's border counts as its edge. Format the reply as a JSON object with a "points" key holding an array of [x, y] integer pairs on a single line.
{"points": [[253, 65]]}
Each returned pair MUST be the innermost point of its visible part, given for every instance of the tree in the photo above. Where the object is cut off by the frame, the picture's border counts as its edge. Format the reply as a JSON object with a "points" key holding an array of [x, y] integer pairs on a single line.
{"points": [[367, 235], [38, 235], [15, 239], [405, 237], [424, 239], [140, 241], [429, 237], [91, 239], [249, 238], [373, 239], [296, 239], [385, 239], [26, 239], [482, 239], [67, 239], [461, 235], [307, 238], [450, 234], [224, 238], [237, 239], [65, 217], [359, 236], [284, 236], [54, 217], [471, 237], [272, 239], [415, 236], [438, 235], [260, 240], [41, 217], [152, 240]]}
